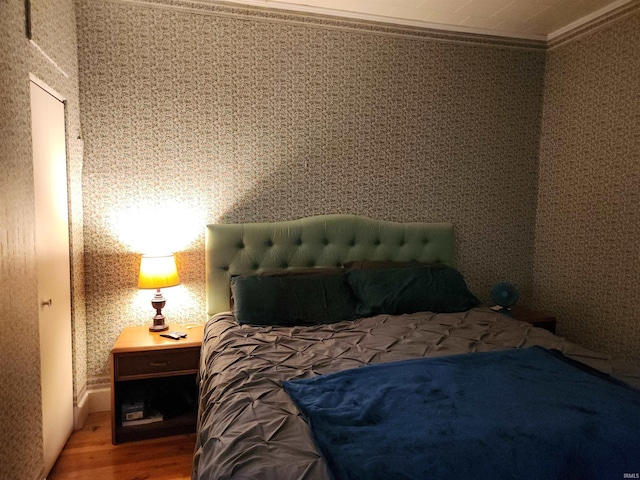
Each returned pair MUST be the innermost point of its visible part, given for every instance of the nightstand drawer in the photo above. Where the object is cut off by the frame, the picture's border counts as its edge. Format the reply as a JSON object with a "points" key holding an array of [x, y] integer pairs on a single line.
{"points": [[159, 362]]}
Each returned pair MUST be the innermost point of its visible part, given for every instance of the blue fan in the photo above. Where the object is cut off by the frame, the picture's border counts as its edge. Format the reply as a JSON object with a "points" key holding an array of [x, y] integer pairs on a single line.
{"points": [[505, 295]]}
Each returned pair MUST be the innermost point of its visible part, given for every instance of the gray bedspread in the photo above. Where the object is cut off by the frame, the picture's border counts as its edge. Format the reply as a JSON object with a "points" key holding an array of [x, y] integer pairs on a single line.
{"points": [[248, 427]]}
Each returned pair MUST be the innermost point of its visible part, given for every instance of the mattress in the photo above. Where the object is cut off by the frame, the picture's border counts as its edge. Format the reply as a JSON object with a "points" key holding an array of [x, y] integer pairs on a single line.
{"points": [[249, 428]]}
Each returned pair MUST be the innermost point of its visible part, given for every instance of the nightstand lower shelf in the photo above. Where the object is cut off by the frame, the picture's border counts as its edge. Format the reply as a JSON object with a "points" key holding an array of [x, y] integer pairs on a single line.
{"points": [[174, 396], [173, 426]]}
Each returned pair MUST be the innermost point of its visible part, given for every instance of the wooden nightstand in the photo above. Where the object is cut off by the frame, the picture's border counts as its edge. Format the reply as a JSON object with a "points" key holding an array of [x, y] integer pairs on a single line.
{"points": [[534, 317], [160, 372]]}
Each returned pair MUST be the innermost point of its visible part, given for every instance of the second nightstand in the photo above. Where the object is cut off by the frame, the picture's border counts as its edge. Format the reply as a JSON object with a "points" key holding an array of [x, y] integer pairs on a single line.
{"points": [[534, 317], [159, 373]]}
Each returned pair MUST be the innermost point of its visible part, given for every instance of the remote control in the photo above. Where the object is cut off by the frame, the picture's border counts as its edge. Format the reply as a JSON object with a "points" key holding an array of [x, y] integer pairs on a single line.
{"points": [[173, 335]]}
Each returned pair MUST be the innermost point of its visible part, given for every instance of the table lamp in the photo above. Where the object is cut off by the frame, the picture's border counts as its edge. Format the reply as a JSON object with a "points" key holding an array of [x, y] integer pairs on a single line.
{"points": [[156, 272]]}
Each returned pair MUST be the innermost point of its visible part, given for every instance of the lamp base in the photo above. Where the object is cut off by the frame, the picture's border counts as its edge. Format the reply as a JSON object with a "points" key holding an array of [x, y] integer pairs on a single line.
{"points": [[158, 303], [158, 328], [158, 323]]}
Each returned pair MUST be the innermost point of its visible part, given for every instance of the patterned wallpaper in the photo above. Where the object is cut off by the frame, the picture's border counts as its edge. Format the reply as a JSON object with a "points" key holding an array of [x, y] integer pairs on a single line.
{"points": [[54, 33], [211, 114], [587, 260], [53, 59], [20, 372]]}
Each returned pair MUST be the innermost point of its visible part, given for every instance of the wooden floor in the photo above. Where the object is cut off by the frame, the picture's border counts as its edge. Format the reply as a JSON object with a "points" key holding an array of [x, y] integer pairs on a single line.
{"points": [[89, 455]]}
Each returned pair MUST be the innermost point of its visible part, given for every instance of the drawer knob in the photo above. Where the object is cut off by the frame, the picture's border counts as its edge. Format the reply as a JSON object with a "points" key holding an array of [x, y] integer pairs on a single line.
{"points": [[159, 364]]}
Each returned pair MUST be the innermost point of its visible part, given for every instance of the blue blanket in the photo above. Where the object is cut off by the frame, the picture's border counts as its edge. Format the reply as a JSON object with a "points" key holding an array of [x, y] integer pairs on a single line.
{"points": [[515, 414]]}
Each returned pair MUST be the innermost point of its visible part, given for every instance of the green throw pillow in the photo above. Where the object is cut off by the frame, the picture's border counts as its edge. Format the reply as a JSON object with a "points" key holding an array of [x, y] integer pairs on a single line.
{"points": [[292, 300], [409, 290]]}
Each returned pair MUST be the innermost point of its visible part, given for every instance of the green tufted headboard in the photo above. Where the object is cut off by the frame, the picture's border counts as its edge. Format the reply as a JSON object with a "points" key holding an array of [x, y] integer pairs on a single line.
{"points": [[319, 241]]}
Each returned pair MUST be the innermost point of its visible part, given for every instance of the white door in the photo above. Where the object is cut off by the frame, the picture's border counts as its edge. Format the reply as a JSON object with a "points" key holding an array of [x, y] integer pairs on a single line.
{"points": [[54, 286]]}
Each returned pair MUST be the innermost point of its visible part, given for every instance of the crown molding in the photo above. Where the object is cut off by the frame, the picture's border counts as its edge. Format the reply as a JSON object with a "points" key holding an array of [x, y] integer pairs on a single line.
{"points": [[312, 18], [317, 17], [593, 23], [330, 12]]}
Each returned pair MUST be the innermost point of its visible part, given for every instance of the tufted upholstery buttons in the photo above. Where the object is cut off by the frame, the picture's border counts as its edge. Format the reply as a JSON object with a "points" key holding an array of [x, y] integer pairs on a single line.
{"points": [[284, 265], [425, 241], [240, 244], [299, 241], [255, 266], [376, 242], [269, 243], [401, 242], [311, 264], [325, 241], [225, 268], [353, 242]]}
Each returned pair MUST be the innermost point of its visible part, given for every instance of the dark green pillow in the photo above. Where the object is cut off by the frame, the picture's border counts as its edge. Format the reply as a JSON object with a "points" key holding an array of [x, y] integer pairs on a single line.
{"points": [[409, 290], [292, 300]]}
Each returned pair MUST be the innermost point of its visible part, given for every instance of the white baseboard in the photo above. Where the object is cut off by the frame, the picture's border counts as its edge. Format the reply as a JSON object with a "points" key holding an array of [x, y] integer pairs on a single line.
{"points": [[99, 399], [81, 411]]}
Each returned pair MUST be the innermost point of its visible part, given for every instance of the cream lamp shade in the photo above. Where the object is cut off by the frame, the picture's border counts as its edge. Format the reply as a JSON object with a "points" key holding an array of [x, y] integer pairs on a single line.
{"points": [[156, 272]]}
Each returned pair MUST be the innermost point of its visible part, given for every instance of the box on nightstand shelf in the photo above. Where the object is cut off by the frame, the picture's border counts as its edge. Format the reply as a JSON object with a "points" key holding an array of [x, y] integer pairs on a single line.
{"points": [[153, 418], [132, 410]]}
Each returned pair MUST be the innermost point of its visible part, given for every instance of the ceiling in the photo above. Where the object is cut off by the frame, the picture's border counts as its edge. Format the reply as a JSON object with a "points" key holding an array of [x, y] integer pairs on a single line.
{"points": [[528, 19]]}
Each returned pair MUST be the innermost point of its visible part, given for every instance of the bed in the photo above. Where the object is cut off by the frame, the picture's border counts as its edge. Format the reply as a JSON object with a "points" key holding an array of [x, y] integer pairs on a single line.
{"points": [[291, 395]]}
